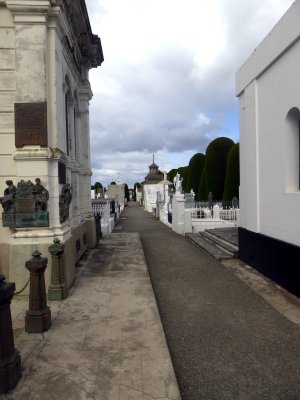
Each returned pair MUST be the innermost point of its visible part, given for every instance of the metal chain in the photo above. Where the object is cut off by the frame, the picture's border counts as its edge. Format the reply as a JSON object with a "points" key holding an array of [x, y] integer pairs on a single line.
{"points": [[22, 290]]}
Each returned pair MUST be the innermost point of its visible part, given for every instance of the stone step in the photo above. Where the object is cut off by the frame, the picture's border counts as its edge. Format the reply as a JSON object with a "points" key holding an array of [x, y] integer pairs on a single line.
{"points": [[208, 246], [221, 243]]}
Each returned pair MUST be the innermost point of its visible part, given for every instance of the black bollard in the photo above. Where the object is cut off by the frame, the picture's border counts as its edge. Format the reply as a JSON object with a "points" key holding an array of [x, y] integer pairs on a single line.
{"points": [[98, 227], [10, 360], [210, 200], [57, 290], [38, 317]]}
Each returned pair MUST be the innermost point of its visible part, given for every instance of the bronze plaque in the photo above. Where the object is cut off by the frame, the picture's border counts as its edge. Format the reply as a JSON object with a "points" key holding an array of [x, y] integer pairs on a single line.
{"points": [[31, 124], [25, 205]]}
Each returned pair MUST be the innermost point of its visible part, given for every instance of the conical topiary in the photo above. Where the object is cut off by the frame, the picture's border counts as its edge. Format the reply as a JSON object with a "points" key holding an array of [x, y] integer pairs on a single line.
{"points": [[232, 180], [215, 163], [202, 193], [196, 166]]}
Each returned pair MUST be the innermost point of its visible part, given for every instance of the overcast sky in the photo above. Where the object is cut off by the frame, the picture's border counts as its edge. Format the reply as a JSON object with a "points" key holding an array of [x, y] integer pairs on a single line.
{"points": [[167, 83]]}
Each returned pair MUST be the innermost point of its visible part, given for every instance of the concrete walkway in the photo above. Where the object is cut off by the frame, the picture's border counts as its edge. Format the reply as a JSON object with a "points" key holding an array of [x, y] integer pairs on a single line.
{"points": [[106, 341], [232, 334]]}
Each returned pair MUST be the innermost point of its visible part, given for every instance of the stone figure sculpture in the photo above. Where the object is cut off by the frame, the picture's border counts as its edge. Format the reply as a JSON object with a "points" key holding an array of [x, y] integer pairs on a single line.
{"points": [[64, 202], [41, 196], [8, 199], [178, 183]]}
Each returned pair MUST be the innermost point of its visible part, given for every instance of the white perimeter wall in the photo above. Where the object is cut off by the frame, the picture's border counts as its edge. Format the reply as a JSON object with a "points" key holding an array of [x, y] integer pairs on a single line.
{"points": [[268, 86]]}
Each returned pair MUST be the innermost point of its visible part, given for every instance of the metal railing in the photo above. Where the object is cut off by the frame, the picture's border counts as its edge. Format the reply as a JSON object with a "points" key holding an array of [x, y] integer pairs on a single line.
{"points": [[223, 211], [101, 207]]}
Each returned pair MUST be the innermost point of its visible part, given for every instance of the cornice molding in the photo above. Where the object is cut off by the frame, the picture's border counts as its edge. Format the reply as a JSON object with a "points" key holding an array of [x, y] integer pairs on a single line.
{"points": [[28, 6], [32, 153]]}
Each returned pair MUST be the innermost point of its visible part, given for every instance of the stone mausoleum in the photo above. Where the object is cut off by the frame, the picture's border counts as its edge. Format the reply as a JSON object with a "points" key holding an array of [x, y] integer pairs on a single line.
{"points": [[151, 187], [46, 51], [268, 89]]}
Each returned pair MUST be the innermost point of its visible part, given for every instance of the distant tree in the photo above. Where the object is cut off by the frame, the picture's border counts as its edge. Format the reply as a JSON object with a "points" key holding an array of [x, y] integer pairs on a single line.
{"points": [[232, 180], [97, 187], [127, 197], [137, 185], [215, 163], [113, 183], [196, 166], [183, 172], [171, 174], [202, 192]]}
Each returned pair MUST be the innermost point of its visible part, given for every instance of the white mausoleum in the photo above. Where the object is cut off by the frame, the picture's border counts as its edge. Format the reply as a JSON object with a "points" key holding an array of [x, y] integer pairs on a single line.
{"points": [[267, 86], [46, 51]]}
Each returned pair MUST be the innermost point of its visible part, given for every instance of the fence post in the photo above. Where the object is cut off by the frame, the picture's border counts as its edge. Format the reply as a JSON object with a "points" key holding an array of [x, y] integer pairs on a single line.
{"points": [[10, 360], [38, 317], [216, 212], [188, 226], [57, 290]]}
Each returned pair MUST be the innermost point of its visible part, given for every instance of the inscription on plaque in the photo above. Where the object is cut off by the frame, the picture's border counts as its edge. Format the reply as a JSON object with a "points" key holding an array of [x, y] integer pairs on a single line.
{"points": [[31, 124]]}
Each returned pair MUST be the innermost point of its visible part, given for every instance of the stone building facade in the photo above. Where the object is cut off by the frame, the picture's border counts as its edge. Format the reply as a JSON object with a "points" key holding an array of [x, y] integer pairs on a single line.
{"points": [[46, 51], [269, 97], [151, 187], [116, 192]]}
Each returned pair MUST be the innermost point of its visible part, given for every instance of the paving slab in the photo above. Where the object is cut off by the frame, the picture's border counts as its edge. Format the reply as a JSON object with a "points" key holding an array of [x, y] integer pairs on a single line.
{"points": [[106, 341]]}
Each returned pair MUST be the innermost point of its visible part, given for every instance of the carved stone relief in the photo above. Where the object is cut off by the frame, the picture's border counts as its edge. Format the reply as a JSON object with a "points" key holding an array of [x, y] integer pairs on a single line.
{"points": [[25, 205]]}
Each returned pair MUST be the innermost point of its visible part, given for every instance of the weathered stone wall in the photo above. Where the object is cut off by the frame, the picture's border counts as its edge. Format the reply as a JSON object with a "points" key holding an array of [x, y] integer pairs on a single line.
{"points": [[37, 65]]}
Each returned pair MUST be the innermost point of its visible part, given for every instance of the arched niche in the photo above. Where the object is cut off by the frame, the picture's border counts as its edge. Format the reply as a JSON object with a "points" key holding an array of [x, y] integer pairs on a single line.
{"points": [[292, 150]]}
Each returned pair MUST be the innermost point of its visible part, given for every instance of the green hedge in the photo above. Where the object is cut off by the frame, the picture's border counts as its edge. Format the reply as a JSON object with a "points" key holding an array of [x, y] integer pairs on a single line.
{"points": [[232, 181], [202, 193], [196, 166], [183, 172], [215, 163]]}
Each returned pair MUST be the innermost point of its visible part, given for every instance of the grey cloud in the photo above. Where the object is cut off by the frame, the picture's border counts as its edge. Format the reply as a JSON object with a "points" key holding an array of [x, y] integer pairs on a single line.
{"points": [[157, 104]]}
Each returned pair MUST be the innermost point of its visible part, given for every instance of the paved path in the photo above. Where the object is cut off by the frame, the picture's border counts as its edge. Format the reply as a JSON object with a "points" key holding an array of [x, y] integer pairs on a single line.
{"points": [[225, 340], [106, 341]]}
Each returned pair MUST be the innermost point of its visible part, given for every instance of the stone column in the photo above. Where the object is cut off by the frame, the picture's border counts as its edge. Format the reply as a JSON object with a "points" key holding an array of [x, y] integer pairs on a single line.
{"points": [[164, 217], [85, 95], [57, 290], [10, 360], [38, 317], [178, 205]]}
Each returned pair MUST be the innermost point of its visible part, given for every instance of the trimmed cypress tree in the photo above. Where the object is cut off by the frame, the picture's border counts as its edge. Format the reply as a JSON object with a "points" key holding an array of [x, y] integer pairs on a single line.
{"points": [[137, 185], [171, 174], [232, 181], [196, 166], [216, 158], [202, 193]]}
